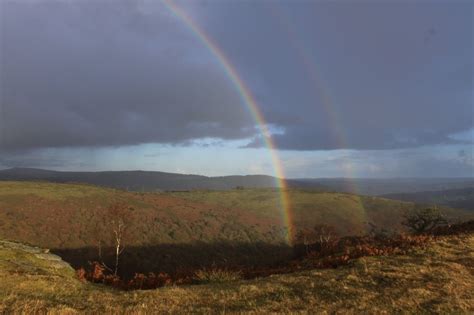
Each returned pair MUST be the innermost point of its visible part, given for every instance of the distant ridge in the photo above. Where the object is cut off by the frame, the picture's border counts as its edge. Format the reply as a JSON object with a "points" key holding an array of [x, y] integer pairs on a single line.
{"points": [[149, 181], [462, 198], [384, 186], [141, 180]]}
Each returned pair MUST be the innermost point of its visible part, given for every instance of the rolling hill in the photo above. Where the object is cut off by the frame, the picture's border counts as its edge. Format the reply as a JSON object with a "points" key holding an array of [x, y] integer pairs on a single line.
{"points": [[455, 198], [143, 181], [240, 226], [151, 181], [383, 186]]}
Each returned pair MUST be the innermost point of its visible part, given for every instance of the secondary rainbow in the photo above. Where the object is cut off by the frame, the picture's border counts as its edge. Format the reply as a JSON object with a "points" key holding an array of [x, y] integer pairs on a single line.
{"points": [[316, 78], [251, 105]]}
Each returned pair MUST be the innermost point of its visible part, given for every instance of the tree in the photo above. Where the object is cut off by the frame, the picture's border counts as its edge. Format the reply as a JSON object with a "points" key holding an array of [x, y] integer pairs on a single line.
{"points": [[320, 236], [424, 220], [118, 218]]}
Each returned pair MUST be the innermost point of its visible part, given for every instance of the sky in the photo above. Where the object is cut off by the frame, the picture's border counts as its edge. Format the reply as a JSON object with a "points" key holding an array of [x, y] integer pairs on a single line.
{"points": [[346, 88]]}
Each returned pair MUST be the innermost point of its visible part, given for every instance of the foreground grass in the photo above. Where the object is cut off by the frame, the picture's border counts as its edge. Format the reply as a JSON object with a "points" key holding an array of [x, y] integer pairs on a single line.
{"points": [[437, 279]]}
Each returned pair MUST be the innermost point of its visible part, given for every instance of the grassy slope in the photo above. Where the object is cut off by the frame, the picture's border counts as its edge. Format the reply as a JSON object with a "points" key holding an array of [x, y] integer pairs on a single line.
{"points": [[456, 198], [69, 215], [189, 229], [437, 279], [348, 212]]}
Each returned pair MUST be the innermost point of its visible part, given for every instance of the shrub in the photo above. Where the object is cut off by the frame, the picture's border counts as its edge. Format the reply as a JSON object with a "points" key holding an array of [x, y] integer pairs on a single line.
{"points": [[99, 274], [453, 229], [321, 238], [425, 220], [82, 274], [216, 275], [151, 281], [380, 233]]}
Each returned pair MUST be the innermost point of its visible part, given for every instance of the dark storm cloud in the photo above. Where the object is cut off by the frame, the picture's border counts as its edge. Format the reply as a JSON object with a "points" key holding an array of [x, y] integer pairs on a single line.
{"points": [[106, 73], [10, 161], [326, 75], [357, 75]]}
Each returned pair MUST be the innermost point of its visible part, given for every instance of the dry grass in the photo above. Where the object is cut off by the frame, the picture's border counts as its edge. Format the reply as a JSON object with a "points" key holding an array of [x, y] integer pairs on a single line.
{"points": [[434, 280], [216, 275]]}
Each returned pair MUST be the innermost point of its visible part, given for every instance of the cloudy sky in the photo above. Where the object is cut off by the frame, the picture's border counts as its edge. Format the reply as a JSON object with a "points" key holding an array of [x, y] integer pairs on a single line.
{"points": [[347, 88]]}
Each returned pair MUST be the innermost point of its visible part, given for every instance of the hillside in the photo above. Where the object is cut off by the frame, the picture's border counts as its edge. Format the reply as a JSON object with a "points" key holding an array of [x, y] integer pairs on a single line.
{"points": [[454, 198], [349, 213], [198, 228], [152, 181], [437, 279], [143, 181], [383, 186]]}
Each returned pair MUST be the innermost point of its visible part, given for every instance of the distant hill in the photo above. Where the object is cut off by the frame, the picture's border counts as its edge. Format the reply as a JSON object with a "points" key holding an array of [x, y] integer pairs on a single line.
{"points": [[383, 186], [145, 181], [151, 181], [454, 198]]}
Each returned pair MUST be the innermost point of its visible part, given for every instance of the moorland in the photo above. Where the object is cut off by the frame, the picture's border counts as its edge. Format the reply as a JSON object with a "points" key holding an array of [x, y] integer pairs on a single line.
{"points": [[227, 250]]}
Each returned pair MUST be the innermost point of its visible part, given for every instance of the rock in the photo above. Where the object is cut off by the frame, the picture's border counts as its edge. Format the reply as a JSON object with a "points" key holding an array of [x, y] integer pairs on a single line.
{"points": [[53, 261], [20, 246]]}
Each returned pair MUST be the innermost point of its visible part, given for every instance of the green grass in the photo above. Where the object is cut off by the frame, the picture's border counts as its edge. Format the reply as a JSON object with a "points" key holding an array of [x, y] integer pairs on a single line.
{"points": [[434, 280]]}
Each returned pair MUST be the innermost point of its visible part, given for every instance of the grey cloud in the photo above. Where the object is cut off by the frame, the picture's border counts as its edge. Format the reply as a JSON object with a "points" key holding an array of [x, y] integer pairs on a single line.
{"points": [[331, 75], [21, 160], [356, 75], [439, 161], [106, 73]]}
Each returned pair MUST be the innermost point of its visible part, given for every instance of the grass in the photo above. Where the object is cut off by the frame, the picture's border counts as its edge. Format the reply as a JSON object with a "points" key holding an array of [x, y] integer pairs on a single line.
{"points": [[216, 275], [433, 280]]}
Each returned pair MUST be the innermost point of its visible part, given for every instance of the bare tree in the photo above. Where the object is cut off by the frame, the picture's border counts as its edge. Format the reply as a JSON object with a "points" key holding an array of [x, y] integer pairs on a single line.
{"points": [[320, 236], [305, 237], [325, 234], [119, 217]]}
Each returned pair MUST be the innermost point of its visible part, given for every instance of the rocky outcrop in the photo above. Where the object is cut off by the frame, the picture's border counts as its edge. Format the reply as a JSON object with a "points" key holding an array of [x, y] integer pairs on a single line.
{"points": [[51, 260]]}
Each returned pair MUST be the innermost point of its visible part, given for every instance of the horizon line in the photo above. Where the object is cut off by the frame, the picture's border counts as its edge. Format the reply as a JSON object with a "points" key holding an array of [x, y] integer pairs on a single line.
{"points": [[230, 175]]}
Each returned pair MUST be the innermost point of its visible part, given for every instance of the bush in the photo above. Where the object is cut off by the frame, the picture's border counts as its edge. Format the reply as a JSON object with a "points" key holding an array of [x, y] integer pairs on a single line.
{"points": [[380, 233], [216, 275], [421, 221], [321, 238], [99, 274], [151, 281]]}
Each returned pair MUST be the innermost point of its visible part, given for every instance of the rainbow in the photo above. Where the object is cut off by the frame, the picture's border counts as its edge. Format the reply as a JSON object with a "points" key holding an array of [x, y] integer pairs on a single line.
{"points": [[315, 76], [250, 104]]}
